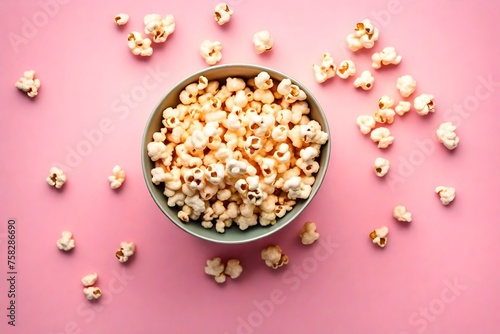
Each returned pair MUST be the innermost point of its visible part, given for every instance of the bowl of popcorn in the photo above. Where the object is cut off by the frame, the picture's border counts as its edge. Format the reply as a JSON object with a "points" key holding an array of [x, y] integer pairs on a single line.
{"points": [[234, 153]]}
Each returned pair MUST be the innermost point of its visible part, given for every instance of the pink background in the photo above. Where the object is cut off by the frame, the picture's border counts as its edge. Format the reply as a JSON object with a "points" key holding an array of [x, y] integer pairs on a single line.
{"points": [[438, 274]]}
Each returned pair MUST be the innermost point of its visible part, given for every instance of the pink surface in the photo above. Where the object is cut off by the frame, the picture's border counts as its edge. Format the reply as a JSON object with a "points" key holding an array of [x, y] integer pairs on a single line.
{"points": [[438, 274]]}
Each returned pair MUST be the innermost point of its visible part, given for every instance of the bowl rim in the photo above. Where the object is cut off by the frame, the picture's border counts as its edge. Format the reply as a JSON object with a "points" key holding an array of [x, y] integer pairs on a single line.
{"points": [[291, 216]]}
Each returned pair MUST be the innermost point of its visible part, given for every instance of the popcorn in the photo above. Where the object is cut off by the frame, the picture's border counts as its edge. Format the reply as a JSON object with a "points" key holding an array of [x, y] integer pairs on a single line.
{"points": [[92, 292], [274, 257], [215, 268], [406, 85], [222, 13], [56, 177], [263, 42], [263, 81], [346, 69], [446, 194], [382, 136], [402, 108], [364, 36], [424, 104], [211, 51], [381, 166], [116, 180], [365, 80], [139, 45], [126, 250], [366, 123], [386, 57], [326, 70], [401, 214], [379, 236], [66, 243], [233, 268], [385, 113], [447, 136], [121, 19], [308, 234], [159, 28], [89, 279], [28, 84]]}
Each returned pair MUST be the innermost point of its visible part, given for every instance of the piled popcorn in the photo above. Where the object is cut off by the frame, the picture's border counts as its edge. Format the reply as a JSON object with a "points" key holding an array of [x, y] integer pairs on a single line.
{"points": [[237, 153]]}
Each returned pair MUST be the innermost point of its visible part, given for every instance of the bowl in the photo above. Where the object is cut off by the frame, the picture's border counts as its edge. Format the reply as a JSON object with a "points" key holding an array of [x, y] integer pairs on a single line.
{"points": [[232, 235]]}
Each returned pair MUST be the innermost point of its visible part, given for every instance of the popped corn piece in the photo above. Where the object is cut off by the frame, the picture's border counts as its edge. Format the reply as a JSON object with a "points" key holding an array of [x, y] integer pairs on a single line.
{"points": [[326, 70], [364, 36], [139, 45], [92, 292], [273, 256], [215, 268], [379, 236], [385, 116], [222, 13], [66, 243], [263, 81], [447, 136], [127, 249], [366, 123], [424, 104], [386, 57], [401, 214], [202, 83], [308, 234], [89, 279], [159, 28], [365, 80], [381, 166], [116, 180], [233, 268], [263, 42], [382, 136], [28, 84], [211, 51], [56, 177], [346, 69], [121, 19], [446, 194], [385, 102], [402, 108], [406, 85]]}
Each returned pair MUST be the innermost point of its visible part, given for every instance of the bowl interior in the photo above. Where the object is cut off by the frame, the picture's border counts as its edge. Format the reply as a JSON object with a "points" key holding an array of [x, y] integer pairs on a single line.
{"points": [[233, 234]]}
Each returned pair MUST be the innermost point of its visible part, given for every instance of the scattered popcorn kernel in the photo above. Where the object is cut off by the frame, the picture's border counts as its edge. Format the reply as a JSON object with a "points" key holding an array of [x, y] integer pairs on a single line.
{"points": [[126, 250], [386, 57], [262, 41], [385, 113], [121, 19], [446, 194], [401, 214], [402, 108], [364, 36], [92, 292], [233, 268], [365, 80], [326, 70], [273, 256], [89, 279], [56, 177], [381, 166], [139, 45], [211, 51], [379, 236], [116, 180], [406, 85], [424, 104], [447, 136], [366, 123], [66, 243], [215, 268], [346, 69], [159, 28], [222, 13], [382, 136], [28, 84], [308, 233]]}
